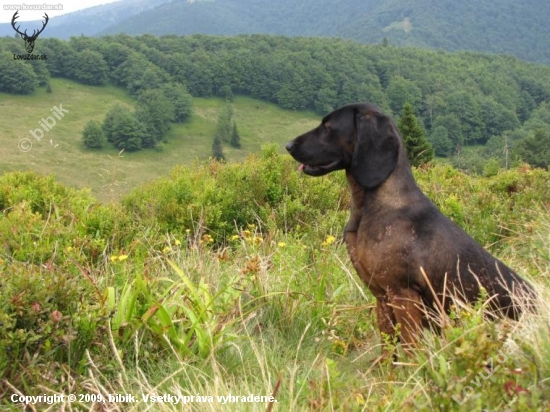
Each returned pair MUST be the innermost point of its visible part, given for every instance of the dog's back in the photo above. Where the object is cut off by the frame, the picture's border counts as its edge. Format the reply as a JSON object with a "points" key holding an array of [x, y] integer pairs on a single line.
{"points": [[458, 265]]}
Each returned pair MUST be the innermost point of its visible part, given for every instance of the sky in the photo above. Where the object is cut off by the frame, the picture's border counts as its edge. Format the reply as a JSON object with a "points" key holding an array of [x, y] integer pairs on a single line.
{"points": [[67, 5]]}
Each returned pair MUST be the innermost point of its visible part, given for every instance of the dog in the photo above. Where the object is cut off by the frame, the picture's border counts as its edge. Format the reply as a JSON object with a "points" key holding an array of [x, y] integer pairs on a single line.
{"points": [[410, 256]]}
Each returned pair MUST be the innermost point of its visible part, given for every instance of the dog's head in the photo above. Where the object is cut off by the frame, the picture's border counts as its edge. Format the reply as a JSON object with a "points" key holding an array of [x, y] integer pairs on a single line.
{"points": [[357, 137]]}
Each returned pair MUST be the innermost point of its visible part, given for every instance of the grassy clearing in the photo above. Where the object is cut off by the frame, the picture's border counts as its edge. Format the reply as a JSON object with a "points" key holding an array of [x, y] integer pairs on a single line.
{"points": [[298, 326], [109, 175]]}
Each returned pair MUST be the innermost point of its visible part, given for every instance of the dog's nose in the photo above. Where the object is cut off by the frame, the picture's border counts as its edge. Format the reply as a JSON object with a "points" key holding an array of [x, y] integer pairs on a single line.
{"points": [[289, 146]]}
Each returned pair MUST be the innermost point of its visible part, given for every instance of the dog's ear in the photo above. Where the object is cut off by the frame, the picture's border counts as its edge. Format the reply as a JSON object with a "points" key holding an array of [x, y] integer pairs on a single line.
{"points": [[376, 149]]}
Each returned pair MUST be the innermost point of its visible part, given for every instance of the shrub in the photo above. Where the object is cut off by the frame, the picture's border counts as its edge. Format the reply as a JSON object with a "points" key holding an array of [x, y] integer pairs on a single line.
{"points": [[222, 198], [49, 315], [93, 136]]}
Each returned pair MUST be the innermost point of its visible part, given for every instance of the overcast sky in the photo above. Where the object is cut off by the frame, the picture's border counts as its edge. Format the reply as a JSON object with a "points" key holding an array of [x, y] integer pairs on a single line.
{"points": [[68, 7]]}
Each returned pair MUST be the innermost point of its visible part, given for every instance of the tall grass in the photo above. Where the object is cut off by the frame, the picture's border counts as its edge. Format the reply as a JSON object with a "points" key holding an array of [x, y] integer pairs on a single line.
{"points": [[230, 279]]}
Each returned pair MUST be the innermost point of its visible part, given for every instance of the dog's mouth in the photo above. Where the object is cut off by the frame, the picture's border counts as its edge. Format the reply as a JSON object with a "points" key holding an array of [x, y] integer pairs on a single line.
{"points": [[320, 170]]}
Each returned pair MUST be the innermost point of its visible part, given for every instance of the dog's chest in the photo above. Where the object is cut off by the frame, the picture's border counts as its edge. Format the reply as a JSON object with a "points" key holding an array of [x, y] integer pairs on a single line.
{"points": [[378, 254]]}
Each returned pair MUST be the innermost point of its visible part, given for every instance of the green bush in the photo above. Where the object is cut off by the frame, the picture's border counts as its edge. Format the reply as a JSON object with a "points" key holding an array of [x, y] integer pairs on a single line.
{"points": [[223, 198], [488, 208], [49, 315], [42, 220]]}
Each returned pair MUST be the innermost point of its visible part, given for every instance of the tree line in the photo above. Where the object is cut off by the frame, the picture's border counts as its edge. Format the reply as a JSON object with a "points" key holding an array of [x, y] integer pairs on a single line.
{"points": [[461, 99]]}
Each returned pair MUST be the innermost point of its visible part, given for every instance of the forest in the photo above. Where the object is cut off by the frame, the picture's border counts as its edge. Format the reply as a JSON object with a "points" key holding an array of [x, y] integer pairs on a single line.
{"points": [[516, 28], [496, 104], [503, 26]]}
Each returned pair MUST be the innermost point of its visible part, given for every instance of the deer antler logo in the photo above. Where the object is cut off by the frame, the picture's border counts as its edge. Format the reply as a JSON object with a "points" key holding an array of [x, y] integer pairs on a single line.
{"points": [[29, 40]]}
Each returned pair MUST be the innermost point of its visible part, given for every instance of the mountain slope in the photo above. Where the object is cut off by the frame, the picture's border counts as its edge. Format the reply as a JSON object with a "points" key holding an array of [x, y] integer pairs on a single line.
{"points": [[89, 21], [285, 17], [516, 28], [497, 26], [503, 26]]}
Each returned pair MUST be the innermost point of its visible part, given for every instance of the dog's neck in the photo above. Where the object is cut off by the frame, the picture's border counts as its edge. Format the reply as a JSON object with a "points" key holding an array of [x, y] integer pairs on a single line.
{"points": [[397, 191], [356, 208]]}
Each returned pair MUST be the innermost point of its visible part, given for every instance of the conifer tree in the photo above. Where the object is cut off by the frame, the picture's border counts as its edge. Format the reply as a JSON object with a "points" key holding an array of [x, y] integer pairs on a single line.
{"points": [[223, 127], [235, 137], [419, 149], [92, 136], [217, 149]]}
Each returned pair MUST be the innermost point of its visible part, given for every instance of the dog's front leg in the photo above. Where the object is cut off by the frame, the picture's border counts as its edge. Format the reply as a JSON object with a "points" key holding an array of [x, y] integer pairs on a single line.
{"points": [[350, 238], [407, 308], [386, 324]]}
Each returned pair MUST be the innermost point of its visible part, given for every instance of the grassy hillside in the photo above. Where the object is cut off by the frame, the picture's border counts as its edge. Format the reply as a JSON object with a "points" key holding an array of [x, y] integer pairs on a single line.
{"points": [[88, 21], [109, 175], [230, 279], [462, 99]]}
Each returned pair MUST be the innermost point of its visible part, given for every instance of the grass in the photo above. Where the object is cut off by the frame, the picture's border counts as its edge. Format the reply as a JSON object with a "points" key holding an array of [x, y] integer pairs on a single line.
{"points": [[108, 174], [132, 308], [309, 340]]}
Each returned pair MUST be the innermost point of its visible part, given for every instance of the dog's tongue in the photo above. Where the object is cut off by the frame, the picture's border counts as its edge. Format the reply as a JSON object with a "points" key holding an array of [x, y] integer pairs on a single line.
{"points": [[301, 167]]}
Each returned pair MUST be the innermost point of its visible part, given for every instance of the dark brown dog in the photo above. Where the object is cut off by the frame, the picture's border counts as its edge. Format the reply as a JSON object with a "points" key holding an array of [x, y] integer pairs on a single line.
{"points": [[395, 233]]}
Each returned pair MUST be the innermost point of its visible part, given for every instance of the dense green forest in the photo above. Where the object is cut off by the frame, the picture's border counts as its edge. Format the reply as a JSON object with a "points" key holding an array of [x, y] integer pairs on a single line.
{"points": [[503, 26], [497, 103]]}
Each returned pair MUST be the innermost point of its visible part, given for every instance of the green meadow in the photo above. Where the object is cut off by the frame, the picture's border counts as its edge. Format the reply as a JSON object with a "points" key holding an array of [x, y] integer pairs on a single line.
{"points": [[107, 172]]}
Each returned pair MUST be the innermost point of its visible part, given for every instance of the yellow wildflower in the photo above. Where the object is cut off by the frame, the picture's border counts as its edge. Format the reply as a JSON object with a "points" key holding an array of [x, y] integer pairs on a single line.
{"points": [[359, 398], [206, 239], [328, 241], [120, 258], [339, 346]]}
